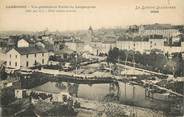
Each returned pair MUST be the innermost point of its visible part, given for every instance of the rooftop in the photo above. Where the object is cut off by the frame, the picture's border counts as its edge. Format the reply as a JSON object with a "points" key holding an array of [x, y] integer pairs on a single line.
{"points": [[158, 26], [30, 50], [64, 50], [30, 41]]}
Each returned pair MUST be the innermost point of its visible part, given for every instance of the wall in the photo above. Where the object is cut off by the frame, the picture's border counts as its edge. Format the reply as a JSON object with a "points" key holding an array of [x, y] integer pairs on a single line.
{"points": [[164, 32], [157, 43], [124, 45], [107, 46], [31, 59], [140, 46], [13, 59], [22, 43]]}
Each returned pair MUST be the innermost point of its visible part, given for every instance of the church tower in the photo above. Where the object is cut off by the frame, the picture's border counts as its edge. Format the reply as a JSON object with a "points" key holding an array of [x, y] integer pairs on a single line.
{"points": [[91, 34]]}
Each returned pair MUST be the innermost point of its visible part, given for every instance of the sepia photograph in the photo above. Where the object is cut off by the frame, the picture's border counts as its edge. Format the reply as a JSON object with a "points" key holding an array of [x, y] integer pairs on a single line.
{"points": [[91, 58]]}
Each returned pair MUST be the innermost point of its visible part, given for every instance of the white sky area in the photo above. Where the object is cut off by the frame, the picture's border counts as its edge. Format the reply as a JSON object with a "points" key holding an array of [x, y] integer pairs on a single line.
{"points": [[108, 13]]}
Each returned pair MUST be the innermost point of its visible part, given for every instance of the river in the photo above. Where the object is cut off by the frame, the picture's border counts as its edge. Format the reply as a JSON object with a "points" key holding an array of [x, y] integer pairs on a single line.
{"points": [[126, 95], [119, 92]]}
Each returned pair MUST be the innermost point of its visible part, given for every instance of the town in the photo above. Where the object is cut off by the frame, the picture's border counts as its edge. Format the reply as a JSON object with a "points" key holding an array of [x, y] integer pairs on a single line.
{"points": [[137, 71]]}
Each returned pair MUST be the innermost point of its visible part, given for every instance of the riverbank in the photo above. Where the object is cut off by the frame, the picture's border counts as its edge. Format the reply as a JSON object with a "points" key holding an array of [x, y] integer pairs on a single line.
{"points": [[110, 109]]}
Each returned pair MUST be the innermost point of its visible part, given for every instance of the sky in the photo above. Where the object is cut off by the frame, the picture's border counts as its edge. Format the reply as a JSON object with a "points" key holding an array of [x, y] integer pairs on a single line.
{"points": [[107, 13]]}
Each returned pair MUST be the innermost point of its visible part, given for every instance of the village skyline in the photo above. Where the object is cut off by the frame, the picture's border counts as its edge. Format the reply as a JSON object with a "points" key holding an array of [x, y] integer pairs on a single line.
{"points": [[100, 15], [85, 29]]}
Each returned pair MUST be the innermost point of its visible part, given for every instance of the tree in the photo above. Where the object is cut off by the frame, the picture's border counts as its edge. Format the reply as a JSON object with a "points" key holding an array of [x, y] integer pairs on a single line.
{"points": [[138, 57], [3, 74], [113, 55], [122, 55], [179, 64]]}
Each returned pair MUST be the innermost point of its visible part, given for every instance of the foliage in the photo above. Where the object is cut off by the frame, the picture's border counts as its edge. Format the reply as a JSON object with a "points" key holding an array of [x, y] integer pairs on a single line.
{"points": [[7, 96], [3, 74], [113, 55], [176, 86], [155, 61]]}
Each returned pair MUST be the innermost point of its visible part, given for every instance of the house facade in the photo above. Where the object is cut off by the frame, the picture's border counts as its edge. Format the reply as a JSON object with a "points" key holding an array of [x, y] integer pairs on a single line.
{"points": [[26, 57], [22, 43], [166, 30], [157, 44], [141, 46], [75, 45]]}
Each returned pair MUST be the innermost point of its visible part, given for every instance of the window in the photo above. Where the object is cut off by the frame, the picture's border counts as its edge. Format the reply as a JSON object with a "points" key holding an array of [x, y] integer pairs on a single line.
{"points": [[15, 63], [10, 63], [15, 56], [35, 55], [27, 55], [27, 63], [35, 62], [155, 44], [10, 55], [42, 61], [42, 54]]}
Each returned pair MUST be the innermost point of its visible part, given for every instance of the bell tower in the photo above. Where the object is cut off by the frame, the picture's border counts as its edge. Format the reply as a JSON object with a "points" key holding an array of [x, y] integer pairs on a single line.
{"points": [[91, 33]]}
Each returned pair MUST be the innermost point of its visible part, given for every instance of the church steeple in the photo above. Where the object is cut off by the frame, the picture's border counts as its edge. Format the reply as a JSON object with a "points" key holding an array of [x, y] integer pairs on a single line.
{"points": [[91, 33]]}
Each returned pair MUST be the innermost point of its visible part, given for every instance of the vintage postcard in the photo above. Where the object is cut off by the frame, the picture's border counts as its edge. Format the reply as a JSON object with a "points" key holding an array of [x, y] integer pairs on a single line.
{"points": [[91, 58]]}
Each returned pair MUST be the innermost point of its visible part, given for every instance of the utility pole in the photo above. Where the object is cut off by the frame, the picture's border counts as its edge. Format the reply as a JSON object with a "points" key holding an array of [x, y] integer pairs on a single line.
{"points": [[76, 63], [133, 101], [125, 89], [133, 74], [118, 66], [133, 56], [76, 59], [126, 70]]}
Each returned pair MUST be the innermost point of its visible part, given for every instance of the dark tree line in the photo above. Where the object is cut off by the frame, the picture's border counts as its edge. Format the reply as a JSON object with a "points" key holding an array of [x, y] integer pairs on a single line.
{"points": [[155, 60]]}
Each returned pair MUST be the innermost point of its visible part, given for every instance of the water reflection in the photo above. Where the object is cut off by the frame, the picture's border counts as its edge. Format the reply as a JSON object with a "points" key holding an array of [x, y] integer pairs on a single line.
{"points": [[73, 89], [118, 92], [114, 93]]}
